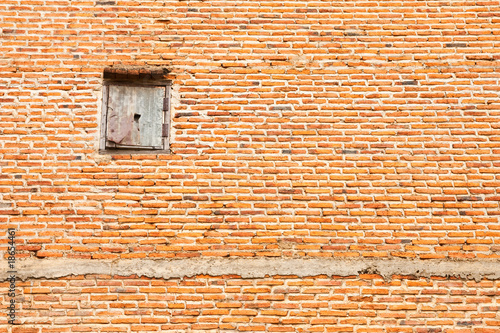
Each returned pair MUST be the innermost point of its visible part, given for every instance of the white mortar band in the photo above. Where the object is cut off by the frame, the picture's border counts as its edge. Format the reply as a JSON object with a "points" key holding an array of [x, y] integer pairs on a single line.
{"points": [[253, 268]]}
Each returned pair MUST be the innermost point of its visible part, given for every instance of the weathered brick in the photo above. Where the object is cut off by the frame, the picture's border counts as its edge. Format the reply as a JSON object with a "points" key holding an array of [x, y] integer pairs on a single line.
{"points": [[298, 129]]}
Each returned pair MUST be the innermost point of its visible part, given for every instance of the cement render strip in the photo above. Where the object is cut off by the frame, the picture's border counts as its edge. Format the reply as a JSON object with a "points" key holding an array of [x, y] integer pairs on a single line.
{"points": [[253, 268]]}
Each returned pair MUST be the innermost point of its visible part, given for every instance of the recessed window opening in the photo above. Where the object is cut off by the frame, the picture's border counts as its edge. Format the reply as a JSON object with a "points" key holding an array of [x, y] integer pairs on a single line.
{"points": [[135, 113]]}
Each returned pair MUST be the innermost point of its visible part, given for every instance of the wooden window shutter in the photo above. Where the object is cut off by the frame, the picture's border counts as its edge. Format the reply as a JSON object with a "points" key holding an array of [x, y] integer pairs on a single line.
{"points": [[135, 116]]}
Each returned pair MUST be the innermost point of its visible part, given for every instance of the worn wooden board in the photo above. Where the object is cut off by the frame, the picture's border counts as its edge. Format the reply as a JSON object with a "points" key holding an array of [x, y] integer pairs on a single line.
{"points": [[104, 110], [135, 116]]}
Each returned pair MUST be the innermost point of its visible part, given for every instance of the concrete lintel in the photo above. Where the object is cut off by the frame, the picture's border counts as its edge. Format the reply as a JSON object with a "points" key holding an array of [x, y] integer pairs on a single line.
{"points": [[253, 268]]}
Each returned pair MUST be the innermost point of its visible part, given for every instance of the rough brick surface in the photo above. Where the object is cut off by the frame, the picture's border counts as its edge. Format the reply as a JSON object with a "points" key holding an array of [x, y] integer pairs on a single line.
{"points": [[298, 129], [328, 128], [275, 304]]}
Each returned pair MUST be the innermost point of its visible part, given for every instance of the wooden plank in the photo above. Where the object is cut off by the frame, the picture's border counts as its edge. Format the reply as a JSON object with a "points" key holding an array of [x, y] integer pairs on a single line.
{"points": [[104, 111], [167, 116], [150, 108], [120, 117]]}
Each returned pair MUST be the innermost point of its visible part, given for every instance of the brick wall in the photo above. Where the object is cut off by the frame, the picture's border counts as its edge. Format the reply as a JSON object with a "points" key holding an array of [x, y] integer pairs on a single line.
{"points": [[100, 303], [299, 129]]}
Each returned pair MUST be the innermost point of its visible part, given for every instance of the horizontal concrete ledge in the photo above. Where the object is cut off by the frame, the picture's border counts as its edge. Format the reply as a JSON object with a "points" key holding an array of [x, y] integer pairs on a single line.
{"points": [[253, 268]]}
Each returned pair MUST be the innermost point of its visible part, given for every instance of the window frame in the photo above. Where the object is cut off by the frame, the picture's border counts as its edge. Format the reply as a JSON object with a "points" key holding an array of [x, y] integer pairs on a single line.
{"points": [[167, 85]]}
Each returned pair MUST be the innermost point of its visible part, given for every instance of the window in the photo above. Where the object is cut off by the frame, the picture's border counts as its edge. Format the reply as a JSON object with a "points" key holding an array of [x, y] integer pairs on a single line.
{"points": [[135, 116]]}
